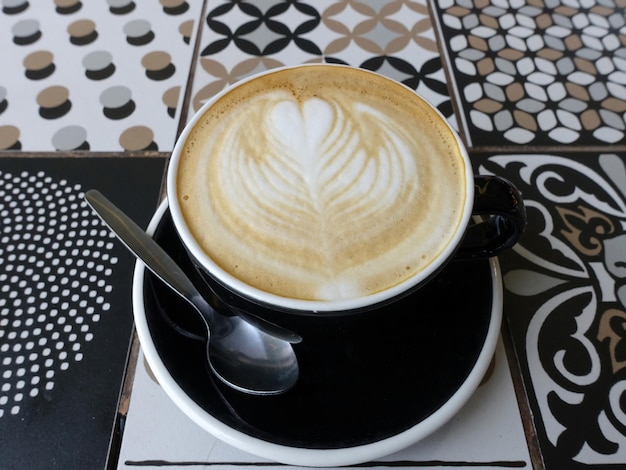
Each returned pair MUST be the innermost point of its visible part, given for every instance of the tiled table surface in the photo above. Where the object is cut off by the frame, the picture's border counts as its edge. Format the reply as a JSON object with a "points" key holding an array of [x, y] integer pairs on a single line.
{"points": [[93, 94]]}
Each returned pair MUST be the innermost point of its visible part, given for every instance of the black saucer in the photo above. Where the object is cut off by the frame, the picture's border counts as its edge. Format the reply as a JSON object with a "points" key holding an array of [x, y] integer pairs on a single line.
{"points": [[364, 378]]}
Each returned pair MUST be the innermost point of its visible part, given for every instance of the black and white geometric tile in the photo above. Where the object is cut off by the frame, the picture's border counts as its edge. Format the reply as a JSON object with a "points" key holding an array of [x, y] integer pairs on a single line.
{"points": [[393, 38]]}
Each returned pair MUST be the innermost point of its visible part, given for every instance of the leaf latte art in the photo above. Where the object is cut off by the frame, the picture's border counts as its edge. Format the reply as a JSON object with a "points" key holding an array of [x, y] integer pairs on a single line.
{"points": [[306, 187]]}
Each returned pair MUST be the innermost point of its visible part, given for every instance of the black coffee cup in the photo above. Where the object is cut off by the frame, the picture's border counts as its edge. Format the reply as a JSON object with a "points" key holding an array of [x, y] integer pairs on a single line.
{"points": [[488, 219]]}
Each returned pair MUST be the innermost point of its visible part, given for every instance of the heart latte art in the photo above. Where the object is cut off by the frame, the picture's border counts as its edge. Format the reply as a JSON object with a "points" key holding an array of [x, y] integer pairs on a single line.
{"points": [[321, 183]]}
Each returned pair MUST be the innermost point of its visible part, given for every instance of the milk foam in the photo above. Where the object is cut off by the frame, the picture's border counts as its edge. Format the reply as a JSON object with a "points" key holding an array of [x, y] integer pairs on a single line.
{"points": [[314, 190]]}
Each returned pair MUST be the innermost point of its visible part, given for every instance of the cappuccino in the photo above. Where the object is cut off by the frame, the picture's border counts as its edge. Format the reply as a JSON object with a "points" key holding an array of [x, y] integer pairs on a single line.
{"points": [[322, 183]]}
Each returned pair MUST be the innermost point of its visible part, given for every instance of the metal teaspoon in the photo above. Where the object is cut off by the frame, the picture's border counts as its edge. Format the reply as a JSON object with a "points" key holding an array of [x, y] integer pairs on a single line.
{"points": [[240, 355]]}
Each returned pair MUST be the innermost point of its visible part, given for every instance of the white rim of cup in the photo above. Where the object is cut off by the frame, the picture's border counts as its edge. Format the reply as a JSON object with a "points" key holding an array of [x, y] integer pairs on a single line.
{"points": [[304, 456], [302, 305]]}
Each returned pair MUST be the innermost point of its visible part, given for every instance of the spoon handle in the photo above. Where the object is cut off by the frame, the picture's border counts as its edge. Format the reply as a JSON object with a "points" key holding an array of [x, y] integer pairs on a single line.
{"points": [[160, 263], [142, 245]]}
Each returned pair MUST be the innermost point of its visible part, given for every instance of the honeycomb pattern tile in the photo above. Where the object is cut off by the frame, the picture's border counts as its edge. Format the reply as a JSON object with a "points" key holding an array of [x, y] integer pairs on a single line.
{"points": [[538, 72]]}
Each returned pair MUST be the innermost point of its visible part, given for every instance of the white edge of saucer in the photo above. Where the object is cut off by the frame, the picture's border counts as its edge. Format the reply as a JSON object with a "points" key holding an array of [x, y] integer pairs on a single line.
{"points": [[313, 457]]}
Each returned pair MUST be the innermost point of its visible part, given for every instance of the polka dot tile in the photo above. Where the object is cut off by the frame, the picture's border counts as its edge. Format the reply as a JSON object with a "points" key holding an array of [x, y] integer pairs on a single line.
{"points": [[538, 72], [79, 75], [65, 309], [394, 38], [57, 261]]}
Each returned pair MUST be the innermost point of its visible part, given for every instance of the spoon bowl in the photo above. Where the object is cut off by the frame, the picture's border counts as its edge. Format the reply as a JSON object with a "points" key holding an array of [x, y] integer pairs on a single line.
{"points": [[241, 355], [239, 347]]}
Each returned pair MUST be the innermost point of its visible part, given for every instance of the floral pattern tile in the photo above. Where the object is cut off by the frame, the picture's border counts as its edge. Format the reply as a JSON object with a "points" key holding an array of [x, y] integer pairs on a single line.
{"points": [[566, 302], [537, 72]]}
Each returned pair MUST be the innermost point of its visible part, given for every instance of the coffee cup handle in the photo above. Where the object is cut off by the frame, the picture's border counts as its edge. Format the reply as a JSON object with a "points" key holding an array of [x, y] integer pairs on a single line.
{"points": [[500, 205]]}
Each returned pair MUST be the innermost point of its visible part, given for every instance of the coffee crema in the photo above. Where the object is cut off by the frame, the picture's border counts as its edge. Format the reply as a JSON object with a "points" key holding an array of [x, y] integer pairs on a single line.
{"points": [[321, 183]]}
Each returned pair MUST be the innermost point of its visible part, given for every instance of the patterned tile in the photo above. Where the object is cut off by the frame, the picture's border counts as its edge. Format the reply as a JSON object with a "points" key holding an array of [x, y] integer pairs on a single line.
{"points": [[566, 302], [100, 76], [65, 306], [395, 38], [538, 72]]}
